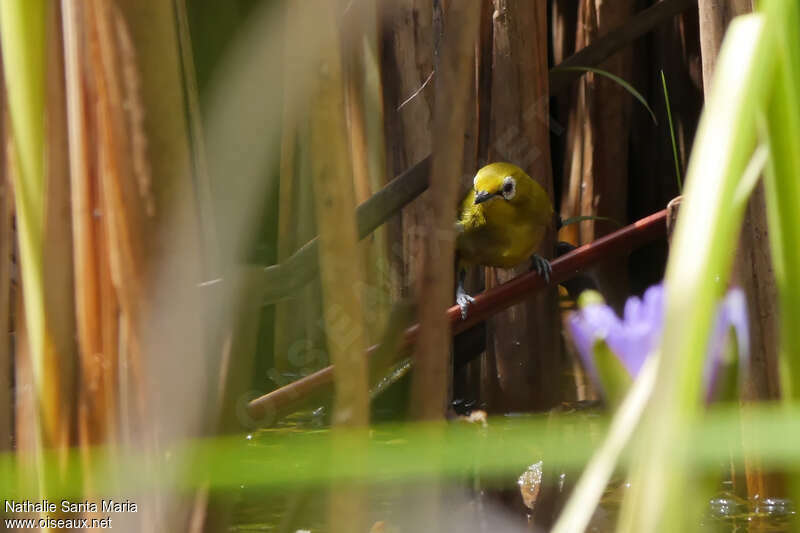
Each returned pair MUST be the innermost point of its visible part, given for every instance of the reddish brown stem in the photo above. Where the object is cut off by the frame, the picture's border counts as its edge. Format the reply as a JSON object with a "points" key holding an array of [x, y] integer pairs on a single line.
{"points": [[282, 401]]}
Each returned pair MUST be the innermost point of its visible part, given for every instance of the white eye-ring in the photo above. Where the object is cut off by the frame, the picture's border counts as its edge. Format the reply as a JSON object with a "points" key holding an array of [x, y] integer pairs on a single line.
{"points": [[509, 188]]}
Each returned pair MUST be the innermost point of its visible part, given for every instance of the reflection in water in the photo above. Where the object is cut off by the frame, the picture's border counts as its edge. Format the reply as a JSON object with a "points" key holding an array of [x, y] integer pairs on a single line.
{"points": [[464, 510], [729, 512]]}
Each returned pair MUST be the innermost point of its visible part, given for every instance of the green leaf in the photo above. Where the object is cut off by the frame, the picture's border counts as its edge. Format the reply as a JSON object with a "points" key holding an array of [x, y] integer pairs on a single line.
{"points": [[22, 31], [782, 186], [726, 386], [698, 268], [672, 133], [614, 377], [751, 175], [625, 85]]}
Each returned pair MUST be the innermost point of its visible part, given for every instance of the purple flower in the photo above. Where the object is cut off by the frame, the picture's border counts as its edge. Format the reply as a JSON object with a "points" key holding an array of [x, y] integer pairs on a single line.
{"points": [[632, 339], [635, 337]]}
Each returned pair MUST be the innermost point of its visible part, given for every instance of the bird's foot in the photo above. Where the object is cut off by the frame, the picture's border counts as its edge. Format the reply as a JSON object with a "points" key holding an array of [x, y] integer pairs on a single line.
{"points": [[542, 266], [464, 300]]}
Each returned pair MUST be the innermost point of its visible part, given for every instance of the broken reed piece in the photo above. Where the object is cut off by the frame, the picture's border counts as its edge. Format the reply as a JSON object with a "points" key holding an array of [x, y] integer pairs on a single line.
{"points": [[267, 409], [672, 215]]}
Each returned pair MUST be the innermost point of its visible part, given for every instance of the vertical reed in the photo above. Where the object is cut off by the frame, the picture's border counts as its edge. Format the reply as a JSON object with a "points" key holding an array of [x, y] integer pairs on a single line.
{"points": [[6, 247], [23, 35], [342, 271], [525, 351], [455, 75], [407, 74], [364, 101], [596, 167]]}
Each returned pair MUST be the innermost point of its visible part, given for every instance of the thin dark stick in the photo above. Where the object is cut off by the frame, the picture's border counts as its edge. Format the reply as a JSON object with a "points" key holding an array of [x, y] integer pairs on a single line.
{"points": [[290, 397]]}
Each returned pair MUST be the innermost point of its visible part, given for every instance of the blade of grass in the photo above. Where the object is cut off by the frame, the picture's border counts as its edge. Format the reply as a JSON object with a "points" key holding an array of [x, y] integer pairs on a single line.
{"points": [[783, 188], [697, 271], [23, 37], [283, 459], [587, 493], [672, 134], [624, 84], [22, 25], [751, 174]]}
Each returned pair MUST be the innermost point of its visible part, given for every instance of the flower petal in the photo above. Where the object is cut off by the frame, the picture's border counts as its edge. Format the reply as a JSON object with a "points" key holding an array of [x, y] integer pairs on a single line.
{"points": [[593, 322], [641, 329]]}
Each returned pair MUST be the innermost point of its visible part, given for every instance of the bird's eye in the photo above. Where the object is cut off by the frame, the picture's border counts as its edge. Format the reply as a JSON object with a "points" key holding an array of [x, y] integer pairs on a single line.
{"points": [[509, 188]]}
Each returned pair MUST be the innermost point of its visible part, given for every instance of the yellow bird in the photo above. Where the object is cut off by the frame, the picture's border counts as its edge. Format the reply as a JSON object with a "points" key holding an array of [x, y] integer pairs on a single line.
{"points": [[501, 223]]}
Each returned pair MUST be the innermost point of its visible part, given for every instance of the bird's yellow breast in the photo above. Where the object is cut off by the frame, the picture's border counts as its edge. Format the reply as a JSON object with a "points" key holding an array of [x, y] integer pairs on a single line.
{"points": [[501, 233]]}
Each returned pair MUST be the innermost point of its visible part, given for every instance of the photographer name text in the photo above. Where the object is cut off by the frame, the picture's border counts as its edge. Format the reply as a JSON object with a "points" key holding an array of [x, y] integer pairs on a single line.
{"points": [[67, 506]]}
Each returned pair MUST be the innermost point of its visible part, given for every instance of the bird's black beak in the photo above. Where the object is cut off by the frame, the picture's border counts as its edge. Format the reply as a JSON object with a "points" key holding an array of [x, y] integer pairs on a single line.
{"points": [[482, 196]]}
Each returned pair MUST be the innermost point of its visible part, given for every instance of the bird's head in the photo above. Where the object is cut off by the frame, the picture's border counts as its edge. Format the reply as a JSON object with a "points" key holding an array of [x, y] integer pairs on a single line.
{"points": [[501, 182]]}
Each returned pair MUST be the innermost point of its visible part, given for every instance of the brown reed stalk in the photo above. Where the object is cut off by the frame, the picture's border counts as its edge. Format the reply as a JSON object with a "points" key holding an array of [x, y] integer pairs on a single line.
{"points": [[59, 303], [455, 31], [24, 400], [364, 101], [123, 195], [95, 300], [454, 84], [6, 239], [331, 168], [595, 169], [26, 437], [524, 350], [154, 217], [296, 220], [287, 190], [341, 269], [407, 76], [196, 138]]}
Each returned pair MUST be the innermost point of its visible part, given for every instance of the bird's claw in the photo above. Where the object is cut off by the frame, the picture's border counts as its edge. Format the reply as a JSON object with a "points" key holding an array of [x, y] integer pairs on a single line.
{"points": [[543, 267], [464, 300]]}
